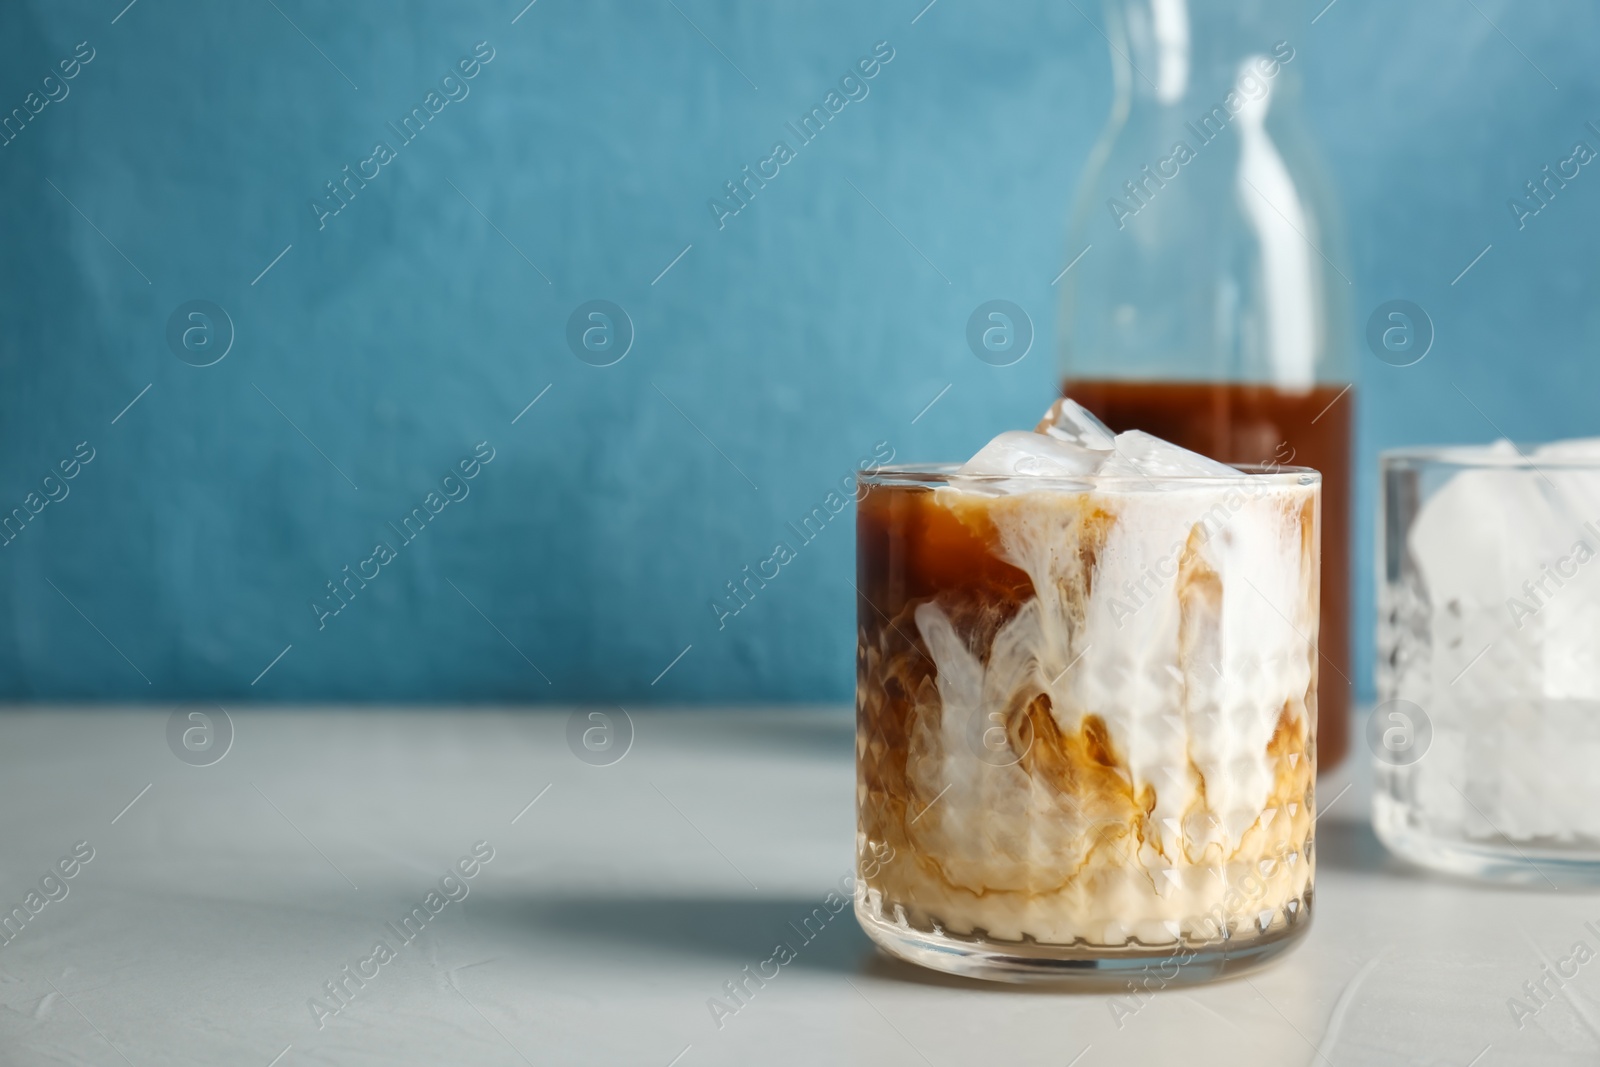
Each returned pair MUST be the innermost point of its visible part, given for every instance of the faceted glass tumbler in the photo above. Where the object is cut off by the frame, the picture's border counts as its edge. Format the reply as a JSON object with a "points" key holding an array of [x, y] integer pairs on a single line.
{"points": [[1086, 713], [1486, 734]]}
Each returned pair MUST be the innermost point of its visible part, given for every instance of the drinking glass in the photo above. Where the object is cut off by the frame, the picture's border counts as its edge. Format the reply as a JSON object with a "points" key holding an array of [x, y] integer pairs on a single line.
{"points": [[1086, 714], [1487, 731]]}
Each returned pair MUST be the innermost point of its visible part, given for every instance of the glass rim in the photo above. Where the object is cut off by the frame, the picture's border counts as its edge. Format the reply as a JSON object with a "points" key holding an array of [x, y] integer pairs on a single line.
{"points": [[1469, 457], [935, 474]]}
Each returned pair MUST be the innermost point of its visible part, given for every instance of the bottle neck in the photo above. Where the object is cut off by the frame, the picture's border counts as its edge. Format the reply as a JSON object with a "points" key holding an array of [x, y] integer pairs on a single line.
{"points": [[1166, 53]]}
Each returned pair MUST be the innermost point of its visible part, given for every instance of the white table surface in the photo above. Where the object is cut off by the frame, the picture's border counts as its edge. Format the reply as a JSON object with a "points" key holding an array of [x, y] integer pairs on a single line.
{"points": [[218, 904]]}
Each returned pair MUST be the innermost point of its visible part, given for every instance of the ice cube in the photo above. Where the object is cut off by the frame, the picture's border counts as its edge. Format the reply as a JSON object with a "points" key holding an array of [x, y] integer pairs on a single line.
{"points": [[1070, 421], [1028, 454], [1141, 454], [1572, 468], [1478, 537], [1071, 443], [1489, 529], [1576, 448], [1504, 555]]}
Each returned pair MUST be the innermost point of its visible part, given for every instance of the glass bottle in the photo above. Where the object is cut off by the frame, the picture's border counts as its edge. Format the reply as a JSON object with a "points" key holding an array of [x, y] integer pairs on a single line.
{"points": [[1210, 302]]}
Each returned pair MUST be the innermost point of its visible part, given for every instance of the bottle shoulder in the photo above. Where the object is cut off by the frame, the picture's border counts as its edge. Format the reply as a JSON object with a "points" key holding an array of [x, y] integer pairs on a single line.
{"points": [[1212, 245]]}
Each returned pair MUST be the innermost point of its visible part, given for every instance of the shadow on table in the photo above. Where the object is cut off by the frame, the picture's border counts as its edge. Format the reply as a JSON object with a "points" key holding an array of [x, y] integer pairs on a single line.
{"points": [[826, 732], [1353, 848], [734, 930], [739, 931]]}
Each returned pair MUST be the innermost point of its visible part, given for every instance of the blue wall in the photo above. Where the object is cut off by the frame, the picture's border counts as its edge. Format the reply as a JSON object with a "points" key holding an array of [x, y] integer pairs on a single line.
{"points": [[407, 328]]}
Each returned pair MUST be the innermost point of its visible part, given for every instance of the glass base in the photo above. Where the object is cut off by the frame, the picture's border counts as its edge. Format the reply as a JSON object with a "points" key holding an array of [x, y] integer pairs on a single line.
{"points": [[1112, 969], [1528, 863]]}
